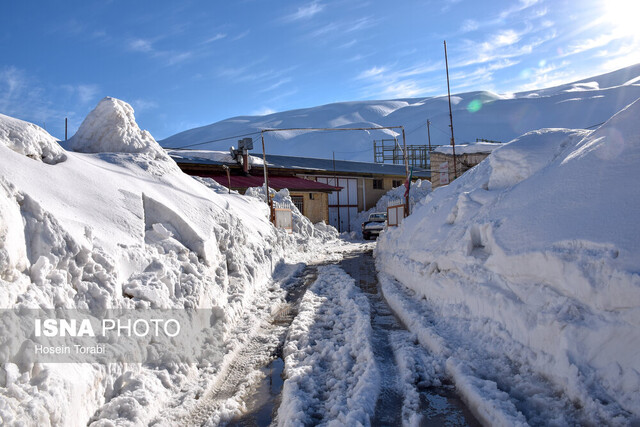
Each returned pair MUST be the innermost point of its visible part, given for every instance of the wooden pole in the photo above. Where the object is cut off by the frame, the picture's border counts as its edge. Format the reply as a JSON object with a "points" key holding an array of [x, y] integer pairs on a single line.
{"points": [[453, 142], [266, 180]]}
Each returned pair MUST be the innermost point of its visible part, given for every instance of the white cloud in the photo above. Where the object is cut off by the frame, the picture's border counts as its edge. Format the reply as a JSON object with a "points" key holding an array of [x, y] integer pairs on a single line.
{"points": [[218, 36], [140, 105], [305, 12], [469, 25], [371, 72], [87, 93], [588, 44], [141, 45], [386, 82], [522, 5], [241, 35], [276, 85]]}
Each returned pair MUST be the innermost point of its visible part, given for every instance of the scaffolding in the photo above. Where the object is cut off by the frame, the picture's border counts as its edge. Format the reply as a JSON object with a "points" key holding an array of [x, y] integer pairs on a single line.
{"points": [[389, 151]]}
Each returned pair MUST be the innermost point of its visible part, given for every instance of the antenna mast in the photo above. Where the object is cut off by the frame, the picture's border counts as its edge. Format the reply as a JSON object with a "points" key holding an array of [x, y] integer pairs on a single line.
{"points": [[453, 142]]}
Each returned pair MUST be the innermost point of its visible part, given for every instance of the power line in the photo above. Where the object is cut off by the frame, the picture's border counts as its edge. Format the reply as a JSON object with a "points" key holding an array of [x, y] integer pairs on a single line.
{"points": [[215, 140]]}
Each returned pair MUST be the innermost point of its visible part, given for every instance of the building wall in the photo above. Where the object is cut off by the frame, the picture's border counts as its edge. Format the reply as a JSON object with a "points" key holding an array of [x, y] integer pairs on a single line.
{"points": [[316, 208], [373, 195], [464, 163]]}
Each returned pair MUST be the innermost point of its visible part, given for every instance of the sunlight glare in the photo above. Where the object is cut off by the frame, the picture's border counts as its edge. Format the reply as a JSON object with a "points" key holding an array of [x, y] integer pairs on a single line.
{"points": [[623, 16]]}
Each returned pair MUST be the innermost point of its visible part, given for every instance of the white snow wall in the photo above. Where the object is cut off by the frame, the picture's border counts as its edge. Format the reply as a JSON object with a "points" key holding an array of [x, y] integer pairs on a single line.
{"points": [[541, 241]]}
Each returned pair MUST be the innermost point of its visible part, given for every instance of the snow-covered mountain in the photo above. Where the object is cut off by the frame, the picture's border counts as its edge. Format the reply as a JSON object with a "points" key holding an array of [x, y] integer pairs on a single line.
{"points": [[500, 117]]}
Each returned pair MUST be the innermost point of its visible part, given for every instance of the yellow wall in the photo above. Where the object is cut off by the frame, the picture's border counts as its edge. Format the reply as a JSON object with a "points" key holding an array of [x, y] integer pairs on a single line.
{"points": [[372, 196], [317, 209]]}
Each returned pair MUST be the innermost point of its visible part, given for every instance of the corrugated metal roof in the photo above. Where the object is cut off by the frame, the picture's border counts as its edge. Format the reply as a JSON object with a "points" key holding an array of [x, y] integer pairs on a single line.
{"points": [[276, 182], [313, 165]]}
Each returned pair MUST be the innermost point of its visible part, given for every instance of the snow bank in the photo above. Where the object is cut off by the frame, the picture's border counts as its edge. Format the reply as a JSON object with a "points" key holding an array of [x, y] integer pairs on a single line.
{"points": [[301, 225], [123, 228], [419, 190], [30, 140], [111, 128], [537, 246]]}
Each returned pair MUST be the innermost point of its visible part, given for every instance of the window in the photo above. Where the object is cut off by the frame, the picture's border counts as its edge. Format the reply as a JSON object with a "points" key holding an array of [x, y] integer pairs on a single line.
{"points": [[378, 184], [397, 183], [298, 202]]}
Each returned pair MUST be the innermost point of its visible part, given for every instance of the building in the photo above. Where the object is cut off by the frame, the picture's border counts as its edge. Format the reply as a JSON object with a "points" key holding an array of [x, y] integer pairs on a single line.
{"points": [[327, 190], [467, 156]]}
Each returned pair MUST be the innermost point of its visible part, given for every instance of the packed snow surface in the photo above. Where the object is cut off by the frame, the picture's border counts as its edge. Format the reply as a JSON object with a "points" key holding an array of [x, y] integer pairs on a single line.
{"points": [[481, 114], [532, 255]]}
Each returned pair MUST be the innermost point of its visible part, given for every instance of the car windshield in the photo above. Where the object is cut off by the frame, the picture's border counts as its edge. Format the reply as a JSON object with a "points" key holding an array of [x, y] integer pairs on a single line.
{"points": [[378, 217]]}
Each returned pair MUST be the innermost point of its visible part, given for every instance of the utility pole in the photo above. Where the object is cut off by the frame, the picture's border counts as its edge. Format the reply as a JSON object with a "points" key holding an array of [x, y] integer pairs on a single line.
{"points": [[406, 169], [335, 183], [429, 138], [272, 216], [453, 142]]}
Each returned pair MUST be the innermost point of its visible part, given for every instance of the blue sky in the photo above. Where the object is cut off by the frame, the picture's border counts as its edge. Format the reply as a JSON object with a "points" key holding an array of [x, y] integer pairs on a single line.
{"points": [[183, 64]]}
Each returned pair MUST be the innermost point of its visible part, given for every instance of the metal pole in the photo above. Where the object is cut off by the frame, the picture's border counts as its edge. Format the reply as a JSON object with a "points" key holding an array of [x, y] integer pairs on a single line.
{"points": [[406, 168], [266, 180], [429, 137], [453, 142], [65, 128], [335, 183]]}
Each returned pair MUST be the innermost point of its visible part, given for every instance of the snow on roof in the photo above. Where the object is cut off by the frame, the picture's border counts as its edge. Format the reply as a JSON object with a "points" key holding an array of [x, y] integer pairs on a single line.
{"points": [[476, 148], [221, 157]]}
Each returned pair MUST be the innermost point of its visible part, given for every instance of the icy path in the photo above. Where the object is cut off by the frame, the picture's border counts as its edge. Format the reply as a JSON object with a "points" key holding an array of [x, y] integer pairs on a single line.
{"points": [[350, 361]]}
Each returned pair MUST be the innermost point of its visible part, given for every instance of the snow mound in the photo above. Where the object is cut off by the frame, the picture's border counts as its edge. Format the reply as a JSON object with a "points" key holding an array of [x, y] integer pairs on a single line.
{"points": [[30, 140], [528, 154], [537, 248], [301, 225], [111, 127]]}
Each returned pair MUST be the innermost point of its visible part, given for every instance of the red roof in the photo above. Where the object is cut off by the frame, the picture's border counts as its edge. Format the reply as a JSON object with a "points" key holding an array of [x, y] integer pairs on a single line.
{"points": [[275, 182]]}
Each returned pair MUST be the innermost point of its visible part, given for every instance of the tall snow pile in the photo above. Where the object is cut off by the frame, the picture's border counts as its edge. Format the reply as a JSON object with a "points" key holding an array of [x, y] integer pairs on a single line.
{"points": [[30, 140], [112, 127], [106, 230], [535, 254], [418, 191]]}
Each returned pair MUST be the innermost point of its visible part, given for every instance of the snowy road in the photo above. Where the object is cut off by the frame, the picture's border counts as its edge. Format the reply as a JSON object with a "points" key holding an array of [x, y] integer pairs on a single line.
{"points": [[410, 393], [333, 352]]}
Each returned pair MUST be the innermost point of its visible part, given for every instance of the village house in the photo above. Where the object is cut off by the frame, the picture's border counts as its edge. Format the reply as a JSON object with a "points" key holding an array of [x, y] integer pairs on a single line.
{"points": [[322, 189]]}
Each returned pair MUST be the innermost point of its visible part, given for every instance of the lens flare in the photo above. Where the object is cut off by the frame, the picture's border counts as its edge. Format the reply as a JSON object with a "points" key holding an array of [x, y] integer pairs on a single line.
{"points": [[474, 106]]}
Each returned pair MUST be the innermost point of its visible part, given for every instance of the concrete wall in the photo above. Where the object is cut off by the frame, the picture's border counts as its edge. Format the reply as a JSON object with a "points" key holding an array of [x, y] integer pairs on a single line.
{"points": [[316, 209], [464, 163]]}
